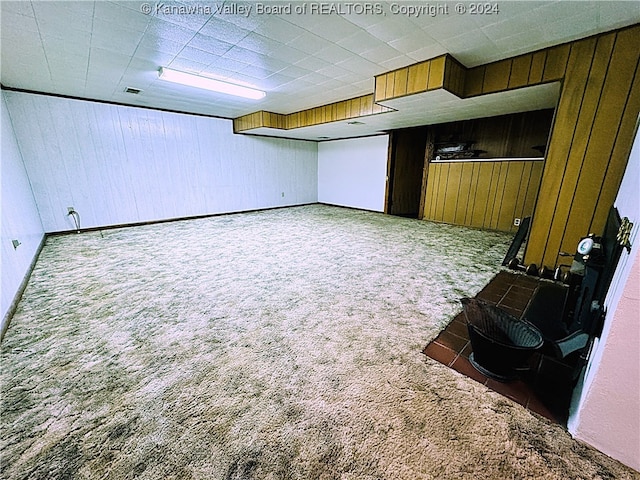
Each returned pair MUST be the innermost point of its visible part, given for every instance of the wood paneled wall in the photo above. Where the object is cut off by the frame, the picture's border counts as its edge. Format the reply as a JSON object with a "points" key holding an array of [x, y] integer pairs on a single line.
{"points": [[591, 135], [590, 142], [406, 163], [482, 194], [440, 72], [502, 136], [343, 110]]}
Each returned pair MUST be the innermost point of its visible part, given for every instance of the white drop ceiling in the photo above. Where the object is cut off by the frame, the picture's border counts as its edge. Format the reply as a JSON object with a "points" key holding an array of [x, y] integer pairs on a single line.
{"points": [[96, 49]]}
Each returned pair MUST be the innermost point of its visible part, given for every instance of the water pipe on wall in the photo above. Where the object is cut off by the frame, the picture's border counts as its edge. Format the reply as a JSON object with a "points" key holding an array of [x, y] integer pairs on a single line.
{"points": [[76, 218]]}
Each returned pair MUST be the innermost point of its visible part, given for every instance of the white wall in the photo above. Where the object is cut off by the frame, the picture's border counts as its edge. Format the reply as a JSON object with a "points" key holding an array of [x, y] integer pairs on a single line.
{"points": [[352, 173], [121, 165], [606, 407], [19, 216]]}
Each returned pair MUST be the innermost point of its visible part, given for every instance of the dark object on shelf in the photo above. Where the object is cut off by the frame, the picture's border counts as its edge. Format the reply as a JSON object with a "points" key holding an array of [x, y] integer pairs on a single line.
{"points": [[501, 343], [452, 147], [514, 248], [466, 154], [540, 148]]}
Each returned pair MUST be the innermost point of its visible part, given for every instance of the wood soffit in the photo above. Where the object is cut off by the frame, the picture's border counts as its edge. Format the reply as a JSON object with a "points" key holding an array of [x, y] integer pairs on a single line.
{"points": [[440, 74]]}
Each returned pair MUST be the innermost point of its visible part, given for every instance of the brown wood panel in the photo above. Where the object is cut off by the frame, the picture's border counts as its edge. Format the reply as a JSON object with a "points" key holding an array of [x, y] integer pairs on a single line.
{"points": [[367, 105], [387, 183], [583, 125], [475, 174], [380, 88], [481, 194], [417, 77], [556, 63], [454, 76], [513, 177], [532, 188], [602, 135], [518, 207], [496, 186], [391, 82], [435, 175], [341, 113], [452, 191], [559, 147], [441, 192], [537, 67], [464, 193], [520, 69], [292, 120], [428, 153], [473, 81], [619, 156], [496, 77], [400, 82], [407, 159], [436, 73]]}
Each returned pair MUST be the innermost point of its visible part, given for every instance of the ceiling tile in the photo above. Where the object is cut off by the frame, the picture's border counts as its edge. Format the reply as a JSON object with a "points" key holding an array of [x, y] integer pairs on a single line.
{"points": [[115, 38], [362, 67], [116, 15], [161, 30], [196, 55], [243, 55], [389, 30], [397, 62], [226, 64], [359, 42], [310, 43], [279, 30], [185, 65], [334, 53], [225, 31], [17, 7], [209, 44], [380, 54], [159, 44]]}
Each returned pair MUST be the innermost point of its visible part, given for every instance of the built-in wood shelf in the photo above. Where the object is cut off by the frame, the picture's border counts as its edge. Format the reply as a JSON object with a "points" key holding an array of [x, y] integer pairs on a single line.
{"points": [[518, 136]]}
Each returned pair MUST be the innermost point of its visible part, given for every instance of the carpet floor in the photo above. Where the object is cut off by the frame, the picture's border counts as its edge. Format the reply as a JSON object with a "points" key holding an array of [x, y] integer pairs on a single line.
{"points": [[281, 344]]}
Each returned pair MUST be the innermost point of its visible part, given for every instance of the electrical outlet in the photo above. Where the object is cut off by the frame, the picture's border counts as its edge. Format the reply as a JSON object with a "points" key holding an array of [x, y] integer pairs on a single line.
{"points": [[70, 209], [283, 194], [516, 222]]}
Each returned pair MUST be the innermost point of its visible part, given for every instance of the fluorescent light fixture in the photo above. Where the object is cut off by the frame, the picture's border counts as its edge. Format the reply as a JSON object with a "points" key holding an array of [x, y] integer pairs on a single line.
{"points": [[209, 84]]}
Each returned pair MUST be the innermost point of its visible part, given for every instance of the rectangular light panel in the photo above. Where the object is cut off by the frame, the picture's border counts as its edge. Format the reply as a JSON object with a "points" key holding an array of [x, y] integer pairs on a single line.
{"points": [[205, 83]]}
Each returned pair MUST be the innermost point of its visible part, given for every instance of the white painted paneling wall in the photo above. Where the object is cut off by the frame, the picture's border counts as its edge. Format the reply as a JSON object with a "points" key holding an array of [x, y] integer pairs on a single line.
{"points": [[20, 220], [120, 165], [352, 173]]}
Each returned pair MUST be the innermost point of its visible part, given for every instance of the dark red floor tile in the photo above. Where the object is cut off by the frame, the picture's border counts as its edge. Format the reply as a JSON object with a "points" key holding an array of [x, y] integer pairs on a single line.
{"points": [[459, 329], [524, 281], [536, 406], [512, 292], [461, 364], [516, 390], [491, 296], [440, 353], [451, 341]]}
